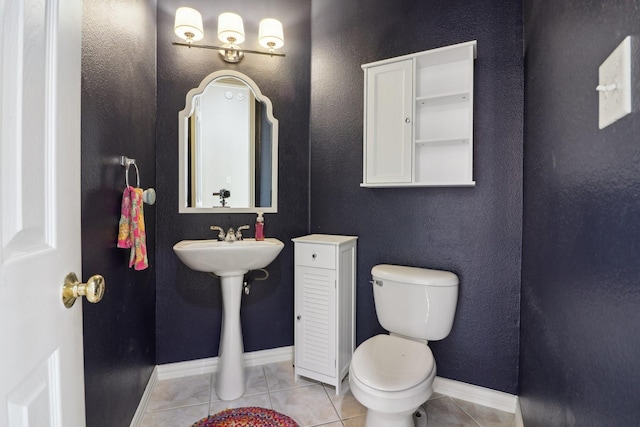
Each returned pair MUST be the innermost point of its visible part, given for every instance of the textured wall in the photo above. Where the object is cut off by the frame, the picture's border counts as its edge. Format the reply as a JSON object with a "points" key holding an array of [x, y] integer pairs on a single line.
{"points": [[474, 232], [118, 118], [189, 303], [580, 344]]}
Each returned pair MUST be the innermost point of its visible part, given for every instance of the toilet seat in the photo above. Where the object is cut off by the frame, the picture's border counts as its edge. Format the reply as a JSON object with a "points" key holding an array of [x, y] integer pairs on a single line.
{"points": [[391, 363]]}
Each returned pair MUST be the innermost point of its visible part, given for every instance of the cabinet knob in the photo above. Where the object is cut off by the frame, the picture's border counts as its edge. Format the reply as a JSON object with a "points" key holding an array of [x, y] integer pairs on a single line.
{"points": [[299, 317], [407, 120], [314, 256]]}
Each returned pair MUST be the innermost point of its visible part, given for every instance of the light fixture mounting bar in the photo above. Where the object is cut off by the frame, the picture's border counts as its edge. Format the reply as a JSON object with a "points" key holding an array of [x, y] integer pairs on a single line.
{"points": [[204, 46]]}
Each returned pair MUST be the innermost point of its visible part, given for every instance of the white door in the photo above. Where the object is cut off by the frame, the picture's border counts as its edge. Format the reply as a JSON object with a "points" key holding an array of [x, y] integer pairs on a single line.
{"points": [[388, 123], [41, 361]]}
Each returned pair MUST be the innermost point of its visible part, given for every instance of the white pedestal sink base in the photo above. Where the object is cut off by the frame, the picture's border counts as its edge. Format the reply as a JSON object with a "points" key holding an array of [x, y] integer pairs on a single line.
{"points": [[230, 261], [230, 378]]}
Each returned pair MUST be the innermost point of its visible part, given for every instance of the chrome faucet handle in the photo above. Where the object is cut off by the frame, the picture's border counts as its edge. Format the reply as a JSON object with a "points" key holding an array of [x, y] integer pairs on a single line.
{"points": [[239, 231], [219, 230], [231, 235]]}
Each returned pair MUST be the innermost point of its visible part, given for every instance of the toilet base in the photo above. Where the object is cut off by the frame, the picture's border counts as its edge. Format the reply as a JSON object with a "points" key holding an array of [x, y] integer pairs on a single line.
{"points": [[384, 419], [417, 418], [420, 417]]}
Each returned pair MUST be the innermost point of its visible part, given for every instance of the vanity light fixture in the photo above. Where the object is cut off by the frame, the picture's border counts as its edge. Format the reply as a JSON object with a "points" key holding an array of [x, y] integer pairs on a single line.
{"points": [[188, 26]]}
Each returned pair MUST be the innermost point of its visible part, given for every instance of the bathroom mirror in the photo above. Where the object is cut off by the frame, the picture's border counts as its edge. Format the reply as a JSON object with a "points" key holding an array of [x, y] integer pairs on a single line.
{"points": [[228, 155]]}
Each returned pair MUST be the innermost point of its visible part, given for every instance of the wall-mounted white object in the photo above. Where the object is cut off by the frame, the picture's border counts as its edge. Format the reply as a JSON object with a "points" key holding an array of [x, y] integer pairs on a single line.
{"points": [[418, 119], [614, 85], [325, 279], [188, 26], [260, 148]]}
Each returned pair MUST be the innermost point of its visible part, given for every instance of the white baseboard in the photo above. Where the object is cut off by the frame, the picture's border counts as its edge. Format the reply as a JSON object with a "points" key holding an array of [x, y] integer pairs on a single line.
{"points": [[142, 406], [209, 365], [476, 394], [456, 389]]}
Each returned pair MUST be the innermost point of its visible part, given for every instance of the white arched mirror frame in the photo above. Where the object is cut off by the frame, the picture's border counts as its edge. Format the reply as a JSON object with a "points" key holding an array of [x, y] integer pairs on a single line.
{"points": [[183, 139]]}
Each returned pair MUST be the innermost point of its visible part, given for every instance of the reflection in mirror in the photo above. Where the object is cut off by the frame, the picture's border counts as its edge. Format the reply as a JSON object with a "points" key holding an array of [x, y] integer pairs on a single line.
{"points": [[228, 147]]}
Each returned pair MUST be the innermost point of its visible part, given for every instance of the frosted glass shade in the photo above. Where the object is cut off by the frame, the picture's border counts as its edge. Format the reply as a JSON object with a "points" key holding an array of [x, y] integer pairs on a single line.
{"points": [[230, 27], [188, 21], [271, 32]]}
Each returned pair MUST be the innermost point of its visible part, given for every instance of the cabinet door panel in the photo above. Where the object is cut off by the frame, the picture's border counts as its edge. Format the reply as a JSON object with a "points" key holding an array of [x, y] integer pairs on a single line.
{"points": [[316, 325], [389, 116]]}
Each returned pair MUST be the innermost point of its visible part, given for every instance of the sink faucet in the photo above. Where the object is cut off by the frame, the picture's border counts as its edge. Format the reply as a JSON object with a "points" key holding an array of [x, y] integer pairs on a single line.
{"points": [[220, 231], [231, 235], [239, 231]]}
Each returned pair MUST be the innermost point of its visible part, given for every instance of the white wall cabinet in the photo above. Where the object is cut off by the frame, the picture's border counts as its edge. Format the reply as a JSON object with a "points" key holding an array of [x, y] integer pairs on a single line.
{"points": [[418, 119], [325, 285]]}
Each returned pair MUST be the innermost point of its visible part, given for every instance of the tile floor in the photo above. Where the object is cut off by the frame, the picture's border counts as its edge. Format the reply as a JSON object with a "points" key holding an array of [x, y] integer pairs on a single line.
{"points": [[182, 401]]}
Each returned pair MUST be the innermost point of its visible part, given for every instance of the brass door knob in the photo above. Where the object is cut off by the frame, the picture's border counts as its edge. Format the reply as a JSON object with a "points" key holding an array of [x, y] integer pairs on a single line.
{"points": [[73, 289]]}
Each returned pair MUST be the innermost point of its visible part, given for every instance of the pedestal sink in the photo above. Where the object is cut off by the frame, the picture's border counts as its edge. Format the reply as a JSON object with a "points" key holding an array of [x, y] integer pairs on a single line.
{"points": [[230, 261]]}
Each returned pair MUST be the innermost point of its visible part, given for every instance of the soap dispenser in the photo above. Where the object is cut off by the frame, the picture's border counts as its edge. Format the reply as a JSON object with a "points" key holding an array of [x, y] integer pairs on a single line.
{"points": [[260, 227]]}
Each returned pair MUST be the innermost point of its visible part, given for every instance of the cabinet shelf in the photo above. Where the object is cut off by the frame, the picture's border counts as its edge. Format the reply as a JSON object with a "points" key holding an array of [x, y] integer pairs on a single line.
{"points": [[448, 141], [441, 99], [421, 184]]}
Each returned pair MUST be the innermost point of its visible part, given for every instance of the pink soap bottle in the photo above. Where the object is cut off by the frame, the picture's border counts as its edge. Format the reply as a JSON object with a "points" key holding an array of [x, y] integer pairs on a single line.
{"points": [[260, 227]]}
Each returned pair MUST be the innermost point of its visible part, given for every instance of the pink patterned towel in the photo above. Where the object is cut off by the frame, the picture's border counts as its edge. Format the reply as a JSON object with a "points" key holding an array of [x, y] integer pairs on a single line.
{"points": [[131, 233], [125, 238]]}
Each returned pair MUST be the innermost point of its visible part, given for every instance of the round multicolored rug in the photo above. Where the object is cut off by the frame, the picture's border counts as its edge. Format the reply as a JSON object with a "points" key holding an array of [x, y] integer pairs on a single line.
{"points": [[252, 416]]}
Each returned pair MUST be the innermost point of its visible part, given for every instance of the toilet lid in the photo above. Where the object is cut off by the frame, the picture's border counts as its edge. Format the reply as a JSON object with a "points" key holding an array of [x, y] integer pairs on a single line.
{"points": [[391, 363]]}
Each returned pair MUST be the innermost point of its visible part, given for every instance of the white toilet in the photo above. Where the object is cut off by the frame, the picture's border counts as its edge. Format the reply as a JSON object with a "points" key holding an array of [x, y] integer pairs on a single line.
{"points": [[392, 375]]}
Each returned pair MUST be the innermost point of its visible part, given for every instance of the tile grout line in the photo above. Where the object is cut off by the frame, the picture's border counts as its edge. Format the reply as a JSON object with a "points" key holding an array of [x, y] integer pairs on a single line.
{"points": [[466, 413], [332, 404], [266, 381], [189, 405]]}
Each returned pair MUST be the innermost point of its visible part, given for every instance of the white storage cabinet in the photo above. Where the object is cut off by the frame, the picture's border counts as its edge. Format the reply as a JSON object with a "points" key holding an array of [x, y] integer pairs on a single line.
{"points": [[418, 119], [325, 279]]}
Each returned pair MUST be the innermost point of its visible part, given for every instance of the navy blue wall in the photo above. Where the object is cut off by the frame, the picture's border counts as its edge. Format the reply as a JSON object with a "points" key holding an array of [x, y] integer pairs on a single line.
{"points": [[118, 118], [580, 346], [474, 232], [189, 303]]}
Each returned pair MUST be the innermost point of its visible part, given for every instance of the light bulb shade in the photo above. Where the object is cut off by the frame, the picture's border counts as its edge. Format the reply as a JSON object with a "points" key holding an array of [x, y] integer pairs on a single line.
{"points": [[230, 27], [270, 35], [188, 21]]}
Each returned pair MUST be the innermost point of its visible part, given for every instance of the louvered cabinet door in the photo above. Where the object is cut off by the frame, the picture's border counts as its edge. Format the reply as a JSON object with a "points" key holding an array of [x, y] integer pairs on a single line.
{"points": [[315, 340]]}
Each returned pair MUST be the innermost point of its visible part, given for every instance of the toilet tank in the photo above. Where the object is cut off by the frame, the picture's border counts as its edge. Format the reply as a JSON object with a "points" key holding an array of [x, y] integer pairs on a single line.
{"points": [[415, 302]]}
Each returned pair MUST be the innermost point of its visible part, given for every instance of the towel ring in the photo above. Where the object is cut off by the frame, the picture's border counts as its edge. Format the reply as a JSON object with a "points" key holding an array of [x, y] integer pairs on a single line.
{"points": [[126, 174], [148, 195]]}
